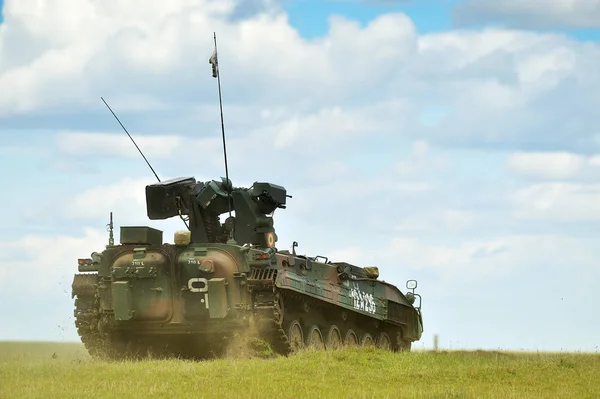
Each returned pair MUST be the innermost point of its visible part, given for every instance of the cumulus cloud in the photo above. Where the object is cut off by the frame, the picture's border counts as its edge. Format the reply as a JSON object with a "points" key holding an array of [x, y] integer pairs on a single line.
{"points": [[102, 144], [561, 202], [595, 160], [530, 14], [555, 165], [485, 260], [107, 51], [493, 87], [128, 195], [420, 161], [467, 261], [432, 220], [52, 260]]}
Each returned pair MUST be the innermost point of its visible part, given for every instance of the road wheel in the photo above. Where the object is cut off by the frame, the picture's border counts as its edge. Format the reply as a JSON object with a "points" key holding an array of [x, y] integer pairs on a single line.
{"points": [[315, 338], [334, 338], [296, 336]]}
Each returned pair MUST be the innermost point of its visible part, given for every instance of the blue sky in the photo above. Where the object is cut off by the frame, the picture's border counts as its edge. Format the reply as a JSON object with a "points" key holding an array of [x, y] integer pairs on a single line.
{"points": [[310, 17], [451, 142]]}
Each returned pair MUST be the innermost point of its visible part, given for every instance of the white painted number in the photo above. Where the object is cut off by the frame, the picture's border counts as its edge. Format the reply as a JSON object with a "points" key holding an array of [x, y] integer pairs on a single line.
{"points": [[362, 300], [137, 263], [203, 288]]}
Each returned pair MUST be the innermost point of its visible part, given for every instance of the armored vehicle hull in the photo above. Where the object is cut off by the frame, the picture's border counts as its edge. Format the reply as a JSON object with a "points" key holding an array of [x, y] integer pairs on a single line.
{"points": [[190, 299]]}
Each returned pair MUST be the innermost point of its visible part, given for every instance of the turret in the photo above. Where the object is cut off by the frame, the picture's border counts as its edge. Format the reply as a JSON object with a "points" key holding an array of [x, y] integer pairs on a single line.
{"points": [[205, 202]]}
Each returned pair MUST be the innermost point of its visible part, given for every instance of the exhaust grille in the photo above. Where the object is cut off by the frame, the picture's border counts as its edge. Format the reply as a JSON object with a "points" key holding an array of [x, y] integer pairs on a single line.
{"points": [[261, 274]]}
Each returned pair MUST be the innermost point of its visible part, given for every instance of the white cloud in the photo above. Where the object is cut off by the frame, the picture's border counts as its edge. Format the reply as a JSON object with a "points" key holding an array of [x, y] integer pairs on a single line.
{"points": [[376, 80], [572, 197], [433, 220], [51, 261], [98, 37], [420, 148], [420, 161], [468, 258], [189, 151], [595, 161], [69, 57], [531, 14], [467, 261], [328, 124], [550, 165], [127, 195], [558, 202], [352, 255], [102, 144]]}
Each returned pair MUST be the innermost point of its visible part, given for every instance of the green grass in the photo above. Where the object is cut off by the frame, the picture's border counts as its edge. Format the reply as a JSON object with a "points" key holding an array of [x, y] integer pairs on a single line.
{"points": [[30, 370]]}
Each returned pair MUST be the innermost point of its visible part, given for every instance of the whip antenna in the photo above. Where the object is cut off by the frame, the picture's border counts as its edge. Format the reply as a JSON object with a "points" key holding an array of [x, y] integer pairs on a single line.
{"points": [[214, 61], [132, 140], [141, 153]]}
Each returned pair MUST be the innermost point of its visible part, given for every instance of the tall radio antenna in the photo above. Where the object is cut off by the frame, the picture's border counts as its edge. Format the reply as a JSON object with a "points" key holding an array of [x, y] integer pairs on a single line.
{"points": [[214, 61]]}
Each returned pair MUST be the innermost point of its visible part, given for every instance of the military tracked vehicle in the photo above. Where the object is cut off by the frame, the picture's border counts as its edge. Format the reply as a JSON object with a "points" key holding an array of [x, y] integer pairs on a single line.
{"points": [[215, 280]]}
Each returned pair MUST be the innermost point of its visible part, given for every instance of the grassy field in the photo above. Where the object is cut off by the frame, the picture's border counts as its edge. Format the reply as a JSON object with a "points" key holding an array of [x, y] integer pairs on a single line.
{"points": [[30, 370]]}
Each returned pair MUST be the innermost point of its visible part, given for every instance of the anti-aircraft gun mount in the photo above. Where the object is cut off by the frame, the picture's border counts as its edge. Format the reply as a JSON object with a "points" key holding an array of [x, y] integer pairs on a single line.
{"points": [[204, 202], [215, 281]]}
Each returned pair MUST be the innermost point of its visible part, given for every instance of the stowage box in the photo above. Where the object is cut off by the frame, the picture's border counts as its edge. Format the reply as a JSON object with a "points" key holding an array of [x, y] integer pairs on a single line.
{"points": [[143, 235]]}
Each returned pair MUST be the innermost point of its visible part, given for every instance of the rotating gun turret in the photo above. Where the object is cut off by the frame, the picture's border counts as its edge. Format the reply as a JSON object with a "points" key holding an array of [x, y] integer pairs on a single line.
{"points": [[205, 202]]}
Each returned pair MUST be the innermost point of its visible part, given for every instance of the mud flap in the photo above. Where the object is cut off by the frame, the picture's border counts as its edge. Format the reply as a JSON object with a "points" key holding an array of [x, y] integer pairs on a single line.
{"points": [[122, 300], [217, 292]]}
